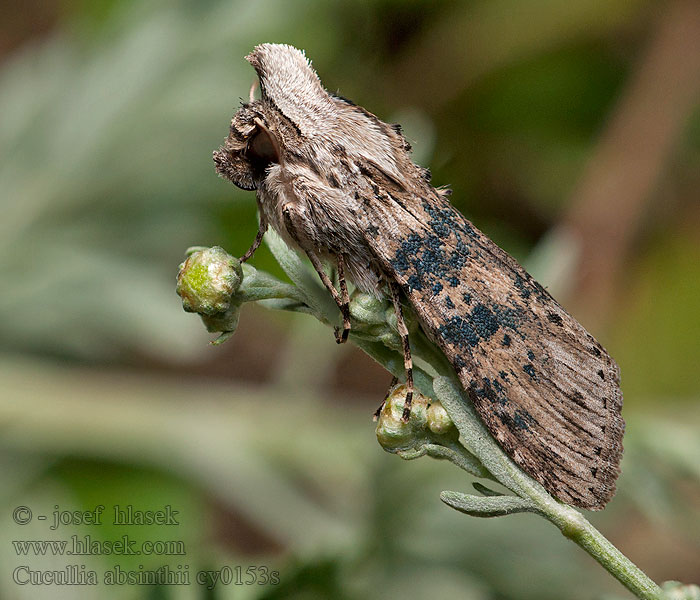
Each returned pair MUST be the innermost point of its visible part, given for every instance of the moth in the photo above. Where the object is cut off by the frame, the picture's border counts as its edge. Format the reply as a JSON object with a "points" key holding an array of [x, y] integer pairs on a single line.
{"points": [[338, 184]]}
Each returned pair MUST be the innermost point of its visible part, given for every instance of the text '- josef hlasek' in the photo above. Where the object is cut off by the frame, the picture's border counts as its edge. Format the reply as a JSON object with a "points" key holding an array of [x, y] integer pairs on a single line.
{"points": [[118, 515]]}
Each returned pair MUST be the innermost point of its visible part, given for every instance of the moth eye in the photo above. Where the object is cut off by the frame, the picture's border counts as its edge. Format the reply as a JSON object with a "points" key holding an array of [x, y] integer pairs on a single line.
{"points": [[262, 149]]}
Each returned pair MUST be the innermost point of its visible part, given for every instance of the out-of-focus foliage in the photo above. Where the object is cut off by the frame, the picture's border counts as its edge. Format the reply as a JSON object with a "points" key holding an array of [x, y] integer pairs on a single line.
{"points": [[107, 172], [659, 332], [107, 124]]}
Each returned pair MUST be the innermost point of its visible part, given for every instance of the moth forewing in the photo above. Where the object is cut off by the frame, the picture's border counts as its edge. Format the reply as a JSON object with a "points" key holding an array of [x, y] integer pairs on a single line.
{"points": [[547, 391], [338, 183]]}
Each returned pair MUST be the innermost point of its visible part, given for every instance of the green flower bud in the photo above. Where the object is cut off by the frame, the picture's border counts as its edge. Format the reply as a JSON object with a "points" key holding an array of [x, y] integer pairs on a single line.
{"points": [[429, 423], [207, 280], [368, 318], [366, 308], [439, 421]]}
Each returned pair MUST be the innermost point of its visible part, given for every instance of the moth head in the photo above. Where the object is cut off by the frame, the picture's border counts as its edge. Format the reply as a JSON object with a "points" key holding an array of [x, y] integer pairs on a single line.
{"points": [[296, 114], [292, 103], [251, 147]]}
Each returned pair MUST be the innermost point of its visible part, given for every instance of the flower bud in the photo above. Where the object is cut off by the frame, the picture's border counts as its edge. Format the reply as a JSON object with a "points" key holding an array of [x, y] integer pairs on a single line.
{"points": [[207, 280], [429, 423], [368, 316], [439, 421], [367, 308]]}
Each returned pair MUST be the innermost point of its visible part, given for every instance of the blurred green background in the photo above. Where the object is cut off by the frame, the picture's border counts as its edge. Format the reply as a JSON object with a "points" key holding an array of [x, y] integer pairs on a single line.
{"points": [[569, 132]]}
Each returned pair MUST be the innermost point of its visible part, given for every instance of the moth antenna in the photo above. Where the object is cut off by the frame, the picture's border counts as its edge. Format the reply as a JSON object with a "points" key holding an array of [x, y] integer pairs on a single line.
{"points": [[251, 94]]}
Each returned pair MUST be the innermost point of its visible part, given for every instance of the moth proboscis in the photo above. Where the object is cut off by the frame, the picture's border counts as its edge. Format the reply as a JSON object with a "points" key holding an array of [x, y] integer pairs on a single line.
{"points": [[338, 184]]}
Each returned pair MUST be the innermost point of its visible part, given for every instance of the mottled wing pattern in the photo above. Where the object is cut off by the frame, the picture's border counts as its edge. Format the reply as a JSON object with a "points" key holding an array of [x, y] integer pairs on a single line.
{"points": [[544, 387]]}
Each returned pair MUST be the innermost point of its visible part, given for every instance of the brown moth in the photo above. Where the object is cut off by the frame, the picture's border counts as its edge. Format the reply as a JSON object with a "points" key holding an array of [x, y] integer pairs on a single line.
{"points": [[338, 184]]}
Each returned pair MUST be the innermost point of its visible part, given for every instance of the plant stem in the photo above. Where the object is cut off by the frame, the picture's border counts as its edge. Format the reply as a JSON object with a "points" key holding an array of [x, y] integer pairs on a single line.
{"points": [[571, 522], [580, 531]]}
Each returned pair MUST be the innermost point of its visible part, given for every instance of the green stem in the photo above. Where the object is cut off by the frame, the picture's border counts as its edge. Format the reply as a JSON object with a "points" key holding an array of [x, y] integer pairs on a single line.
{"points": [[571, 522], [455, 453], [580, 531]]}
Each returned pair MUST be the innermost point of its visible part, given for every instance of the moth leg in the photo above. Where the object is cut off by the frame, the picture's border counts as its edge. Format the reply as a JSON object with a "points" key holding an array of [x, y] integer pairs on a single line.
{"points": [[407, 361], [262, 228], [294, 223], [345, 307], [342, 299], [394, 381]]}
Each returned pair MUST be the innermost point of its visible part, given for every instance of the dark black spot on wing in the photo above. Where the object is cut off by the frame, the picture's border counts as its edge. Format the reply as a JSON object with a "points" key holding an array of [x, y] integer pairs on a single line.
{"points": [[577, 398], [530, 370], [466, 331], [486, 392], [521, 419], [484, 321], [509, 317], [444, 219], [458, 260], [555, 318], [520, 284], [415, 283], [459, 363], [458, 332]]}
